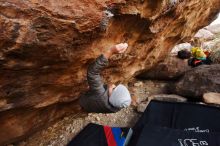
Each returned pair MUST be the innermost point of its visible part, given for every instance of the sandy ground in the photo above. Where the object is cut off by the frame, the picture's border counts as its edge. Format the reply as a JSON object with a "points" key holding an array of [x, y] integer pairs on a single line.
{"points": [[64, 130]]}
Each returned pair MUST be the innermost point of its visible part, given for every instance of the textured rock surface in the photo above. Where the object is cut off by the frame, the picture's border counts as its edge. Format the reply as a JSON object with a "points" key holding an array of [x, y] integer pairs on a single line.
{"points": [[45, 47], [200, 80], [171, 68], [141, 90], [19, 123], [160, 97]]}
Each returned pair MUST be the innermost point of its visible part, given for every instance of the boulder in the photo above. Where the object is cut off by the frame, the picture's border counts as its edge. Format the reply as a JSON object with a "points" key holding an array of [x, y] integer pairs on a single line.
{"points": [[167, 97], [215, 28], [171, 68], [215, 55], [141, 107], [211, 45], [212, 98], [46, 46], [204, 34], [182, 46], [200, 80]]}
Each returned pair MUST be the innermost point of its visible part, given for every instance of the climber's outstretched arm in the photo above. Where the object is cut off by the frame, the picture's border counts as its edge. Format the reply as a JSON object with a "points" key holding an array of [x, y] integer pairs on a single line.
{"points": [[94, 69]]}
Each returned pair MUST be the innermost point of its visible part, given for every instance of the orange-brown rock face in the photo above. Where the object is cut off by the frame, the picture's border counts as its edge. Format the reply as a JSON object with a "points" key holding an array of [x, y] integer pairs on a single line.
{"points": [[46, 46]]}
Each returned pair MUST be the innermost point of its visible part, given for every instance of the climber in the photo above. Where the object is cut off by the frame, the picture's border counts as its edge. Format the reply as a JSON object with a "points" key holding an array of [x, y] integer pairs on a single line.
{"points": [[101, 97]]}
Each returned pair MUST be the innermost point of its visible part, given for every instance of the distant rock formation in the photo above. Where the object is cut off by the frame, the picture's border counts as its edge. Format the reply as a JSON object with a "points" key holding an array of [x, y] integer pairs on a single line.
{"points": [[204, 34]]}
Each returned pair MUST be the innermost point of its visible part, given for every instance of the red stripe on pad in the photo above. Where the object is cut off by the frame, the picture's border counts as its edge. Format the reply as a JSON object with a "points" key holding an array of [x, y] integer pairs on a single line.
{"points": [[109, 136]]}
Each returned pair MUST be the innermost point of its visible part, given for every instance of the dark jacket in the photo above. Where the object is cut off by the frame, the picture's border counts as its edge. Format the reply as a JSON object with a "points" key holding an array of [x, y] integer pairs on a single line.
{"points": [[96, 99]]}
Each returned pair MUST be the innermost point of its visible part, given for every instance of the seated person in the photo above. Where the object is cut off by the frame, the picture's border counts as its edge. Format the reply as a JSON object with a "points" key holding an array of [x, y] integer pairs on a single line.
{"points": [[101, 98], [199, 57], [198, 53]]}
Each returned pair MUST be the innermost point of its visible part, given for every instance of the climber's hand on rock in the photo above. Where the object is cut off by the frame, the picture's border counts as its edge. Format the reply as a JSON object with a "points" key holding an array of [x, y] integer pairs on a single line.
{"points": [[119, 48], [116, 49]]}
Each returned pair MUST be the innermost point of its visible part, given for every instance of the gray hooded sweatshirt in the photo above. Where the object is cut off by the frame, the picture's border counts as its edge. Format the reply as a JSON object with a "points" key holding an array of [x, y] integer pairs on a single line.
{"points": [[96, 99]]}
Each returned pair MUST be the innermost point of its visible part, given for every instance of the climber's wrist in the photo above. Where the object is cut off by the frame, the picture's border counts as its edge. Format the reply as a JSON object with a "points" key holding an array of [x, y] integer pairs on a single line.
{"points": [[108, 53]]}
